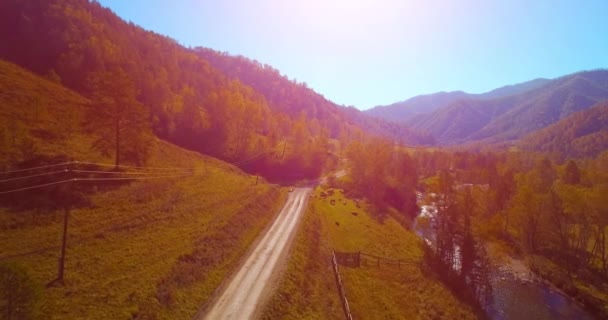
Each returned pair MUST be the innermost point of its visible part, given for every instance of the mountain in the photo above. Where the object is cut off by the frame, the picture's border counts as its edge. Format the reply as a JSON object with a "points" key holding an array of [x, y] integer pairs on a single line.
{"points": [[290, 97], [509, 118], [408, 111], [219, 105], [544, 106], [582, 134], [187, 215], [401, 111], [514, 89]]}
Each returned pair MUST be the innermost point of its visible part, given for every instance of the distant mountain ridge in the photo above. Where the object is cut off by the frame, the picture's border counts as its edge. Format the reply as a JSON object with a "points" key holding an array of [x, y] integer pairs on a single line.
{"points": [[544, 106], [513, 89], [582, 134], [404, 111], [503, 115]]}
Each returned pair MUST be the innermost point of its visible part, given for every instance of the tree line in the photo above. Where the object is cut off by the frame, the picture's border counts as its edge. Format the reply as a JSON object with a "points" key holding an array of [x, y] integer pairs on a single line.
{"points": [[142, 85], [540, 208]]}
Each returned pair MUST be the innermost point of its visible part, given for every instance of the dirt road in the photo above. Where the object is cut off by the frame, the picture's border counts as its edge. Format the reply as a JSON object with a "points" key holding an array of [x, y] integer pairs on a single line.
{"points": [[246, 291]]}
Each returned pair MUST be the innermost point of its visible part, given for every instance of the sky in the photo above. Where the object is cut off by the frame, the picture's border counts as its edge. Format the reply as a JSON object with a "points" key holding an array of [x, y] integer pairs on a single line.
{"points": [[376, 52]]}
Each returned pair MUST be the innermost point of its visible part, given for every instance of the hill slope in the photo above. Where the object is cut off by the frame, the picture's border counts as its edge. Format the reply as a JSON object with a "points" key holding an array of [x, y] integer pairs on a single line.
{"points": [[582, 134], [292, 98], [509, 118], [190, 103], [39, 118], [145, 249]]}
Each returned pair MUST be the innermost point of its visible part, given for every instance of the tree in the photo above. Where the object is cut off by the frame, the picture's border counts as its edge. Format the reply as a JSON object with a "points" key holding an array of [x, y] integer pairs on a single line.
{"points": [[599, 208], [572, 174], [527, 213], [119, 120], [467, 243], [18, 293]]}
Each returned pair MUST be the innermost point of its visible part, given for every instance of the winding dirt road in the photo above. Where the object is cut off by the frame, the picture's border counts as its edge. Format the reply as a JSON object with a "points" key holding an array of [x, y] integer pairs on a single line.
{"points": [[246, 292]]}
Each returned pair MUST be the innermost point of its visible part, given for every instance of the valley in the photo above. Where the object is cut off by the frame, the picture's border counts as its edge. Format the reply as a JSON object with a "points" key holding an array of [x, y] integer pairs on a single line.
{"points": [[165, 162]]}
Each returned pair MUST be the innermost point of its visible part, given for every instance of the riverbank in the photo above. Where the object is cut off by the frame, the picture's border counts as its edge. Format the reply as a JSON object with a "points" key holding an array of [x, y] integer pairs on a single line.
{"points": [[592, 297], [520, 292]]}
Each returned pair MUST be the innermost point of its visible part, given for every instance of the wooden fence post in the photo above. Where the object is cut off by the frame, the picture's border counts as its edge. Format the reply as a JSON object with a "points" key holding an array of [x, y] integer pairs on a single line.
{"points": [[343, 299]]}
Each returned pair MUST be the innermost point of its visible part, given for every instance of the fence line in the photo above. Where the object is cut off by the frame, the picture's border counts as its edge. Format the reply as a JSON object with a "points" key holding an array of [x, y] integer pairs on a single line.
{"points": [[357, 259], [343, 299]]}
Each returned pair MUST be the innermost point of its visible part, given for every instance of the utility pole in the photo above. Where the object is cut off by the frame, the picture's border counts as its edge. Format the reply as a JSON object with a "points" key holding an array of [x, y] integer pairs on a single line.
{"points": [[284, 146], [66, 215]]}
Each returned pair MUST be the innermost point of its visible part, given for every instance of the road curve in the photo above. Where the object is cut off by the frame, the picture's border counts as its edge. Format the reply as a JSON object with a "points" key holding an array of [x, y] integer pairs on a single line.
{"points": [[246, 290]]}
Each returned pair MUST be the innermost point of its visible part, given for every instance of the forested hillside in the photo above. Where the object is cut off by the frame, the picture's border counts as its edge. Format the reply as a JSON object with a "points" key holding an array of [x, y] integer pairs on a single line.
{"points": [[581, 135], [547, 105], [180, 201], [290, 97], [176, 92], [509, 118]]}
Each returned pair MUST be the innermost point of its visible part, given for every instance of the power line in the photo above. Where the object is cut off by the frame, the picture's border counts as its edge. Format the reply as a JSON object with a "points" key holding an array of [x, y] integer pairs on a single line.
{"points": [[33, 176], [92, 163], [93, 179], [134, 178], [37, 186], [132, 167], [246, 161], [125, 173], [35, 168]]}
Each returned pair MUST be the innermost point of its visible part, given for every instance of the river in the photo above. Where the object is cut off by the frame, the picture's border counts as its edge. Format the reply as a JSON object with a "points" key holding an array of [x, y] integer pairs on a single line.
{"points": [[517, 292]]}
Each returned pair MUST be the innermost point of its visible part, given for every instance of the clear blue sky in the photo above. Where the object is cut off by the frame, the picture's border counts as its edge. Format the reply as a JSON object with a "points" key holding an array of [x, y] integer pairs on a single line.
{"points": [[372, 52]]}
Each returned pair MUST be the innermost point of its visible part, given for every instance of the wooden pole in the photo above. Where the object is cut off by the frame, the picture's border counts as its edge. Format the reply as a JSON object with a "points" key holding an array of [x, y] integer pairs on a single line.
{"points": [[117, 156], [284, 147], [63, 244], [67, 207]]}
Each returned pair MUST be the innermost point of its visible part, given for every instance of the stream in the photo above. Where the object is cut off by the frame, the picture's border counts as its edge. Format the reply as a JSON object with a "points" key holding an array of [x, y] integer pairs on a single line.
{"points": [[517, 292]]}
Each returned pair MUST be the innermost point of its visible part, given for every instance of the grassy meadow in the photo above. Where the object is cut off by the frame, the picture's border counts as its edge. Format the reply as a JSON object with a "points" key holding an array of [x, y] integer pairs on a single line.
{"points": [[154, 249], [148, 249], [308, 289]]}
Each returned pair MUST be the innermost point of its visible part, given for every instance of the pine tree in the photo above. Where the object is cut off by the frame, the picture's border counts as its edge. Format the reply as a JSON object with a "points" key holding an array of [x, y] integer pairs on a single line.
{"points": [[119, 120]]}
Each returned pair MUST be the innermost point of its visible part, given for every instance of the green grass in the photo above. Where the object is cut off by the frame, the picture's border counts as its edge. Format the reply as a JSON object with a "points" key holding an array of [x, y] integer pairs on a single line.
{"points": [[307, 289], [131, 239], [374, 293], [39, 117], [154, 248]]}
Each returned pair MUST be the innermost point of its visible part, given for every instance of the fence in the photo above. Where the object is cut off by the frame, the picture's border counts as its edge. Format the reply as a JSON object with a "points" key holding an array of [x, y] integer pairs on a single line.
{"points": [[343, 299], [358, 259]]}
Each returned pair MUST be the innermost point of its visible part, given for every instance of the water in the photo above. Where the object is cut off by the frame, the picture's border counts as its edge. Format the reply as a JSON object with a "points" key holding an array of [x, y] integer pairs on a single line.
{"points": [[517, 293]]}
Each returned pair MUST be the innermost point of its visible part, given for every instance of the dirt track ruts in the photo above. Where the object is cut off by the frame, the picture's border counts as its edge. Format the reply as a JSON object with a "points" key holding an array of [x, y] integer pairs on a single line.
{"points": [[247, 289]]}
